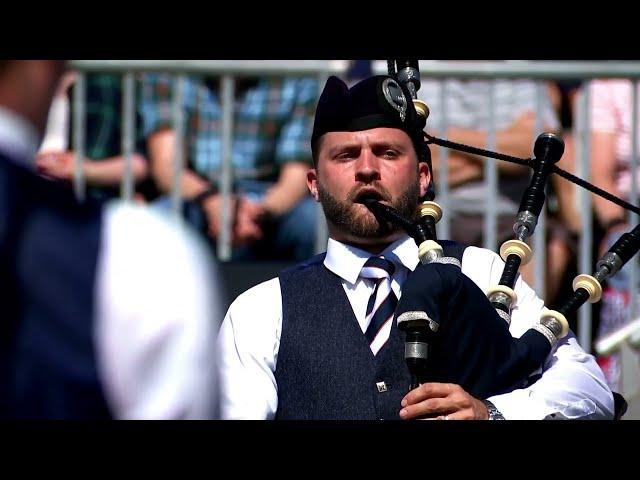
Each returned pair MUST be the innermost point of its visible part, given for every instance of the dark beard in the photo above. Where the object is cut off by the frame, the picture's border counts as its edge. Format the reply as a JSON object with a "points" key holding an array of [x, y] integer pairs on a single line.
{"points": [[341, 214]]}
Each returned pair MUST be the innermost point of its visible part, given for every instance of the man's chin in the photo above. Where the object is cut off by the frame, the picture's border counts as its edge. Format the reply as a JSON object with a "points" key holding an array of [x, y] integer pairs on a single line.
{"points": [[366, 225], [359, 210], [364, 218], [355, 220]]}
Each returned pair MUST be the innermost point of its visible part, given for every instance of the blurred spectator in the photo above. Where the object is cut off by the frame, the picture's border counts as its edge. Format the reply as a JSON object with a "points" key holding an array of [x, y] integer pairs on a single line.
{"points": [[611, 143], [108, 311], [104, 163], [274, 218], [467, 113]]}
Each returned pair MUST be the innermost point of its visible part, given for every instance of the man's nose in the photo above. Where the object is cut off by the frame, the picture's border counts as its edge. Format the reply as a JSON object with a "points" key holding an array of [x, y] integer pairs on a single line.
{"points": [[367, 167]]}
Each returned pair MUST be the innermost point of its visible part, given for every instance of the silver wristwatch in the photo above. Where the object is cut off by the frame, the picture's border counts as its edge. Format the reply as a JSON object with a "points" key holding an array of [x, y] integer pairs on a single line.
{"points": [[494, 413]]}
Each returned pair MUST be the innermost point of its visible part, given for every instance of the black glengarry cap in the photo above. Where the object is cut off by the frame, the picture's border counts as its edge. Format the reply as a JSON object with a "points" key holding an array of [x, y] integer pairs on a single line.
{"points": [[375, 102]]}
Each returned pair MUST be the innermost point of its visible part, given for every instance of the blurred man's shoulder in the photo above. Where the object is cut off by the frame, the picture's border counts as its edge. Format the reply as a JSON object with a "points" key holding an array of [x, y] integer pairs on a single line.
{"points": [[149, 231]]}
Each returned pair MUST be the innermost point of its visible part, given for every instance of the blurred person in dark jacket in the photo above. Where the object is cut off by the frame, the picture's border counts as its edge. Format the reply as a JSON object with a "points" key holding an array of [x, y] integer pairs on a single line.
{"points": [[108, 311]]}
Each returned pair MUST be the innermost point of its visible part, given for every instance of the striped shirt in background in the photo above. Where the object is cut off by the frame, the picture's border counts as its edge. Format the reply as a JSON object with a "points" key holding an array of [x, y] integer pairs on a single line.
{"points": [[104, 117], [103, 127], [272, 122], [467, 106]]}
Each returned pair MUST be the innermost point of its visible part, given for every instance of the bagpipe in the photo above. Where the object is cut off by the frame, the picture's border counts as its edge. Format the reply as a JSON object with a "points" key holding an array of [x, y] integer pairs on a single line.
{"points": [[454, 332]]}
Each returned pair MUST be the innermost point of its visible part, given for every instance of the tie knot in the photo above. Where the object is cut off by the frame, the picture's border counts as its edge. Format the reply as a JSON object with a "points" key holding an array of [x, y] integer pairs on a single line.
{"points": [[377, 267]]}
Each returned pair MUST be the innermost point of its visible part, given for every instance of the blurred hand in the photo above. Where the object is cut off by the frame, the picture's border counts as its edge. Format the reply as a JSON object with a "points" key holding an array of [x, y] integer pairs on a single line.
{"points": [[246, 226], [59, 165]]}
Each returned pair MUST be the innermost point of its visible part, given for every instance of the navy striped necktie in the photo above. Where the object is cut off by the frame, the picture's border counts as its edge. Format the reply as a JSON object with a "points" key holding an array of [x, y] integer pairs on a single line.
{"points": [[383, 300]]}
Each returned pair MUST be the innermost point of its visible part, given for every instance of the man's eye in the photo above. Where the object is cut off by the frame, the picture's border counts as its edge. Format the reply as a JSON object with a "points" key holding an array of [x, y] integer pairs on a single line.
{"points": [[390, 154]]}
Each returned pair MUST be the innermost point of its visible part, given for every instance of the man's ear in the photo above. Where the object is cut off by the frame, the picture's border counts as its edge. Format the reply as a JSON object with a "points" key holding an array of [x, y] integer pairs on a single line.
{"points": [[312, 183], [424, 177]]}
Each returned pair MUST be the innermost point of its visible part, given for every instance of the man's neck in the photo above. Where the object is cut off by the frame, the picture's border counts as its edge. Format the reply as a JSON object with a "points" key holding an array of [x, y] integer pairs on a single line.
{"points": [[371, 245], [371, 248]]}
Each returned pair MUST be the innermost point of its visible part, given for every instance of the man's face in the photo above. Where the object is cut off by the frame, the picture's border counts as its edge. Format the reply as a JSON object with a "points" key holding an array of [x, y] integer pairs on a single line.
{"points": [[380, 163]]}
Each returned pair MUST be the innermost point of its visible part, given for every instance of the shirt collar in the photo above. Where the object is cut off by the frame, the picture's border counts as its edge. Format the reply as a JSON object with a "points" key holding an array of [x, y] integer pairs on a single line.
{"points": [[347, 261], [18, 138]]}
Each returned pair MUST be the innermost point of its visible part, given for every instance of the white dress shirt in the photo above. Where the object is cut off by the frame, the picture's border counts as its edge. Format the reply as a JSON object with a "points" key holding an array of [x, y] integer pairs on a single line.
{"points": [[572, 385], [157, 305]]}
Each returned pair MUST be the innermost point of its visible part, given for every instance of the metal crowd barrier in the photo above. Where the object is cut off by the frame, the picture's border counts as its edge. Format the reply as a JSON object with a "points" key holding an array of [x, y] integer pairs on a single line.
{"points": [[227, 70], [541, 71], [491, 70]]}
